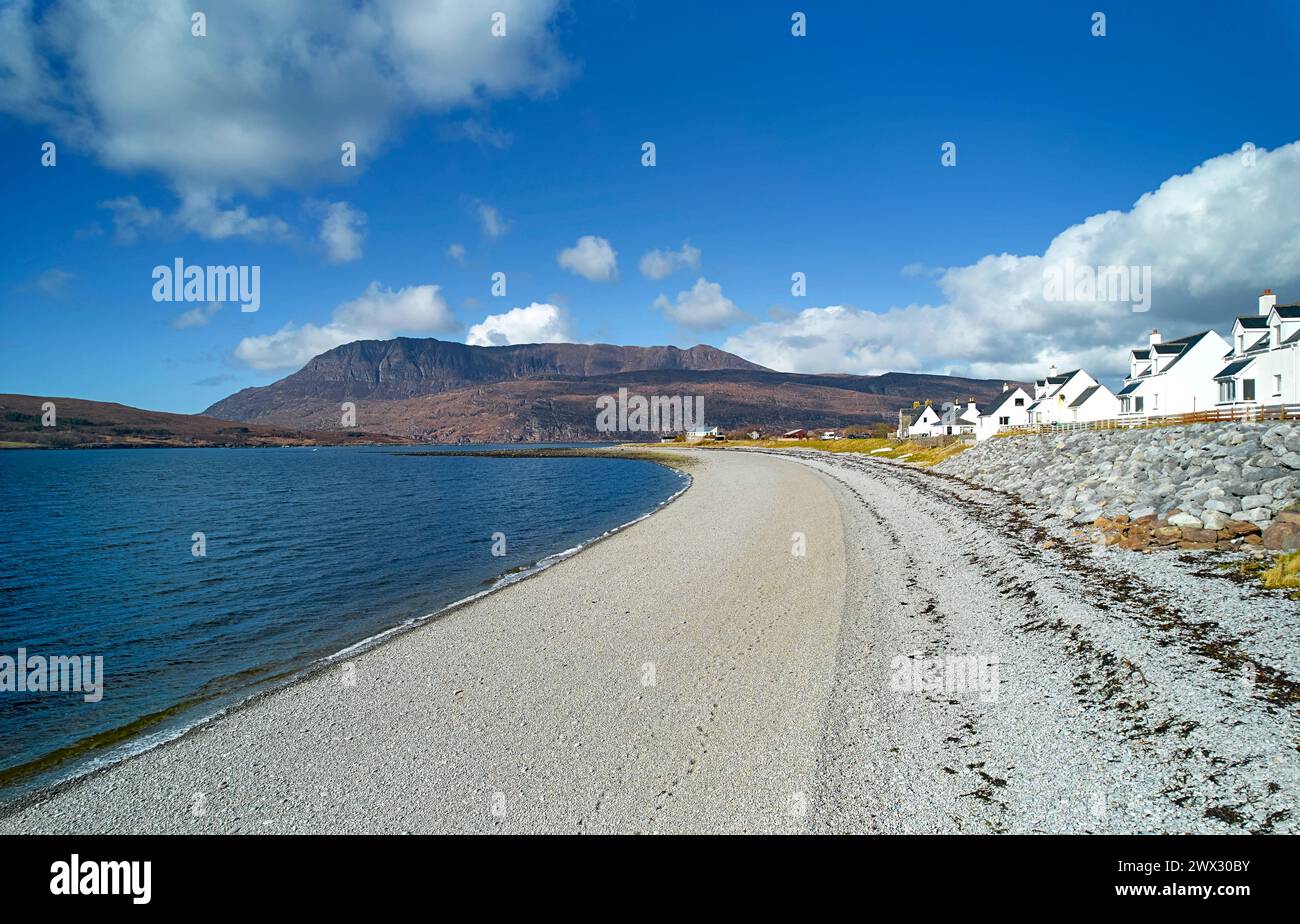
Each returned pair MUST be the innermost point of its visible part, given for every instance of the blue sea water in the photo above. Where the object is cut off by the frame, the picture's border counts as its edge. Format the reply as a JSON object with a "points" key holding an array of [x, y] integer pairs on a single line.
{"points": [[307, 553]]}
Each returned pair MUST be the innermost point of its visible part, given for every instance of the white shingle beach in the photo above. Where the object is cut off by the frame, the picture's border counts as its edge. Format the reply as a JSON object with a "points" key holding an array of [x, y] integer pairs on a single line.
{"points": [[925, 664]]}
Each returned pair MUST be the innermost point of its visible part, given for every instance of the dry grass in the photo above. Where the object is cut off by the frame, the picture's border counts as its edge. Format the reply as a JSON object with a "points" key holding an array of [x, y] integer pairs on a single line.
{"points": [[1285, 572], [876, 448]]}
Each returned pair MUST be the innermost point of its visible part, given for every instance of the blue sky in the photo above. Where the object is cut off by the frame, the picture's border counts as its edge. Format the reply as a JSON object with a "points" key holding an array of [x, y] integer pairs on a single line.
{"points": [[775, 154]]}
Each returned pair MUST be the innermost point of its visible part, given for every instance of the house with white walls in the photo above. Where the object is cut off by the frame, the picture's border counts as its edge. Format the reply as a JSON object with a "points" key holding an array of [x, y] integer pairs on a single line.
{"points": [[1009, 409], [1261, 368], [1096, 402], [1173, 376], [918, 420], [1055, 394], [959, 419]]}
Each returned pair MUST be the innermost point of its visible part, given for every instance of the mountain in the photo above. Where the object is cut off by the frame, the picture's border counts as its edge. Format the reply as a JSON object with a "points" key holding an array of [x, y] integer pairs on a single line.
{"points": [[81, 424], [407, 367], [426, 389]]}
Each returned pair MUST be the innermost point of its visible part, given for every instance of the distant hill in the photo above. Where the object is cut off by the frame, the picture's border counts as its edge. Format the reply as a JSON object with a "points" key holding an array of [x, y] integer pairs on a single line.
{"points": [[81, 424], [427, 389]]}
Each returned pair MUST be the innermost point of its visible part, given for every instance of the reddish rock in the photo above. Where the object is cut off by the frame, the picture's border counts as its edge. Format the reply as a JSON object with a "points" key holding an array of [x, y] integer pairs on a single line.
{"points": [[1195, 546], [1199, 535], [1283, 534], [1241, 528], [1289, 516]]}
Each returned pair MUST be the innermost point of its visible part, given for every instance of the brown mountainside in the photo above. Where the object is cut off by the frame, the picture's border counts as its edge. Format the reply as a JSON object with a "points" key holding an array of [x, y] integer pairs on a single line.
{"points": [[428, 389]]}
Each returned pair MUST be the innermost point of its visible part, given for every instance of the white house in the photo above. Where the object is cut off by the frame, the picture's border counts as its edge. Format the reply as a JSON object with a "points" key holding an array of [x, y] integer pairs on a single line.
{"points": [[697, 434], [959, 419], [1173, 376], [918, 421], [1096, 402], [1054, 397], [1261, 368], [1009, 409]]}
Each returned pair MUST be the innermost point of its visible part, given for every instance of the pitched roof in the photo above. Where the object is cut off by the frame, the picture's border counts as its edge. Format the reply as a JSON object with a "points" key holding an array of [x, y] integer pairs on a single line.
{"points": [[1232, 369], [1142, 354], [1260, 344], [1129, 388], [1290, 312], [999, 401], [1084, 396], [1252, 320], [1184, 344]]}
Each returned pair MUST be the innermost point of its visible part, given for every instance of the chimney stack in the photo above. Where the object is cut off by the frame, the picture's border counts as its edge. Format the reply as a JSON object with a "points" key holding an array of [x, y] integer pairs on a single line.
{"points": [[1155, 337], [1051, 373], [1267, 301]]}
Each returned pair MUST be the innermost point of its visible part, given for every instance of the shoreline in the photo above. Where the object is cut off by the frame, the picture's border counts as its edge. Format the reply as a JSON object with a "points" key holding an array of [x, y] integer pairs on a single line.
{"points": [[547, 659], [153, 738]]}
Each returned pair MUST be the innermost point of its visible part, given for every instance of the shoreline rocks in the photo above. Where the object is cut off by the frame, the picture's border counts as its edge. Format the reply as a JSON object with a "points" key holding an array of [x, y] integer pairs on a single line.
{"points": [[1198, 486]]}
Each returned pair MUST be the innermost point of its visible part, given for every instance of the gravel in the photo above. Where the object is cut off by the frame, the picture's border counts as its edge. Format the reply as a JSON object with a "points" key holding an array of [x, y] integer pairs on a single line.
{"points": [[1108, 692]]}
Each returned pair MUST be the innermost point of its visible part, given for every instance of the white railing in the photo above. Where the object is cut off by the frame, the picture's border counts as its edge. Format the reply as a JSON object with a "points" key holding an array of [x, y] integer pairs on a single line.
{"points": [[1240, 413]]}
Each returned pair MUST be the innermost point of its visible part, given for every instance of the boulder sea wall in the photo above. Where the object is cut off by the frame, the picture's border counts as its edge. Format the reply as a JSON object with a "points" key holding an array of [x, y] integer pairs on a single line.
{"points": [[1196, 486]]}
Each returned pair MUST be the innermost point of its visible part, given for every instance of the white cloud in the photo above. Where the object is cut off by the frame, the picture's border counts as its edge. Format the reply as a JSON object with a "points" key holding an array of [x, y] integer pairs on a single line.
{"points": [[592, 258], [659, 264], [538, 323], [196, 317], [1214, 238], [203, 211], [129, 216], [342, 230], [701, 307], [456, 252], [273, 89], [494, 225], [378, 314]]}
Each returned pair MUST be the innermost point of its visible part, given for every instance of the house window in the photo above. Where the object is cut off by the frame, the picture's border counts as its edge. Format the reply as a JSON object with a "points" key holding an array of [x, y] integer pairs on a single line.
{"points": [[1137, 405], [1155, 402], [1277, 385], [1227, 391], [1004, 421], [1247, 389], [1020, 402]]}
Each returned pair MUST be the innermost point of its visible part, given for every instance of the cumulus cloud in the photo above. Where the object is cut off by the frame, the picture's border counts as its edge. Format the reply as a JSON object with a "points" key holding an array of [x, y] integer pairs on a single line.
{"points": [[198, 316], [538, 323], [268, 108], [378, 314], [659, 264], [456, 252], [273, 90], [129, 216], [592, 258], [1214, 238], [701, 307], [494, 225], [205, 212], [342, 230]]}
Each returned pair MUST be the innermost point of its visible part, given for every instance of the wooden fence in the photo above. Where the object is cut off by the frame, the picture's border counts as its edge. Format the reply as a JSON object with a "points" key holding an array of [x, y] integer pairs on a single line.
{"points": [[1234, 414]]}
